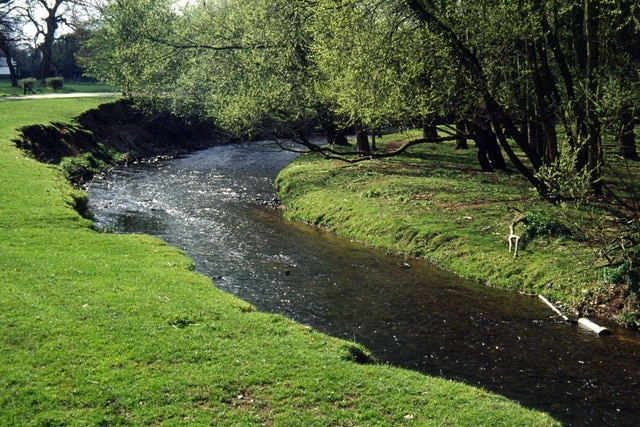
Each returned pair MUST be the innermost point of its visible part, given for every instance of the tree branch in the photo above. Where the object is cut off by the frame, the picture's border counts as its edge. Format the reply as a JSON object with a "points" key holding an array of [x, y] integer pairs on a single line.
{"points": [[357, 156]]}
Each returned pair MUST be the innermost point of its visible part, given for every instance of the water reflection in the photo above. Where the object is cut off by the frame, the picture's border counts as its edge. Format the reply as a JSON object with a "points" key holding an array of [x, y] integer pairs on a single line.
{"points": [[210, 205]]}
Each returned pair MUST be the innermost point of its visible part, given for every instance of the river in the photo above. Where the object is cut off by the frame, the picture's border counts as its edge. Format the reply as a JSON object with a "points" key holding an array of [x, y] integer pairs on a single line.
{"points": [[212, 205]]}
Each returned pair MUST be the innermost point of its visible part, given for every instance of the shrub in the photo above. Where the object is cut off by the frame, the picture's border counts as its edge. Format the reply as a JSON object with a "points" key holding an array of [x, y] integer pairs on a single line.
{"points": [[54, 83], [27, 85]]}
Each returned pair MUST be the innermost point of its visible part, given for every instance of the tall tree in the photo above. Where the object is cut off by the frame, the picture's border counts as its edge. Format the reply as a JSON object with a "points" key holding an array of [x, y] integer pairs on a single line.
{"points": [[537, 64], [10, 35], [247, 67], [48, 17], [64, 52], [125, 50]]}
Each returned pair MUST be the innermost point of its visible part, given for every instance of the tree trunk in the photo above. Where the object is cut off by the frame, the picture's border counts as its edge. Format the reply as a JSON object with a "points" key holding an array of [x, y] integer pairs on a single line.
{"points": [[461, 142], [578, 14], [47, 63], [334, 135], [541, 130], [483, 159], [52, 21], [489, 154], [593, 142], [429, 130], [502, 122], [12, 70], [362, 142], [562, 65], [627, 136], [535, 134], [548, 98]]}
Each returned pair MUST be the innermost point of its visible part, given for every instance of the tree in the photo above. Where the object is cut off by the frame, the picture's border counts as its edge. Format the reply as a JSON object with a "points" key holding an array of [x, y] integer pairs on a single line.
{"points": [[620, 86], [10, 35], [65, 51], [124, 50], [535, 65], [511, 74], [50, 16], [366, 63], [245, 67]]}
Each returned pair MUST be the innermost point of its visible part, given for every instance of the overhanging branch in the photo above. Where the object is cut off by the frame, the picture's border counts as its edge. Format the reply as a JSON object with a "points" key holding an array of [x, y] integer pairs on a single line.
{"points": [[357, 156]]}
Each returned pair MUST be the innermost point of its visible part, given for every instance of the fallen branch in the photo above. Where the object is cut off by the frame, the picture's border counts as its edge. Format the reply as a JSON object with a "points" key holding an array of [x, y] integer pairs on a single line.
{"points": [[553, 307], [356, 156]]}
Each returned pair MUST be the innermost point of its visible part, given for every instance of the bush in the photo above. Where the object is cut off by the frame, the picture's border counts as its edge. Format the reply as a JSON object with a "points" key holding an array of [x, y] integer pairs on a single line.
{"points": [[54, 83], [27, 85]]}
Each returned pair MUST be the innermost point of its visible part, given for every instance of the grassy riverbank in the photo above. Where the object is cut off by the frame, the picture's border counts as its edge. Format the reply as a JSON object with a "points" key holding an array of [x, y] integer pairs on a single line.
{"points": [[435, 203], [117, 330]]}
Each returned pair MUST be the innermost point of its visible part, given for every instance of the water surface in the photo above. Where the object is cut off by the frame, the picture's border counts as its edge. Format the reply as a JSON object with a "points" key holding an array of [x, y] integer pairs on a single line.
{"points": [[211, 204]]}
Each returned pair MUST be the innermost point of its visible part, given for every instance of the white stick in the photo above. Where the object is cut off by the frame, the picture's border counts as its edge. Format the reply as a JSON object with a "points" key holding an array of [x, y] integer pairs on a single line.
{"points": [[553, 307]]}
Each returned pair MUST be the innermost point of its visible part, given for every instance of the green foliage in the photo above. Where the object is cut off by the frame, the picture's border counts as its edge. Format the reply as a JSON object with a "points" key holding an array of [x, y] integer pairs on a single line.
{"points": [[54, 83], [82, 167], [623, 274], [562, 179], [122, 53], [629, 319], [547, 224], [374, 70]]}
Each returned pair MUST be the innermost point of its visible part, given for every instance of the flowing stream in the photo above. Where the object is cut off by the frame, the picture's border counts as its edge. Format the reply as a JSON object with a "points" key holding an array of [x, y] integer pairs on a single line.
{"points": [[211, 204]]}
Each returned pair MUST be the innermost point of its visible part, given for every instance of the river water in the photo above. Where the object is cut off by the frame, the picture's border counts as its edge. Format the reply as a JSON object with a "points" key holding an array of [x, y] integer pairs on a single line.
{"points": [[212, 203]]}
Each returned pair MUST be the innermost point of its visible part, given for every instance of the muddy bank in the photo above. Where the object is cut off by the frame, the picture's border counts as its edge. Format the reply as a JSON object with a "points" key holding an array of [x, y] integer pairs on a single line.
{"points": [[113, 132]]}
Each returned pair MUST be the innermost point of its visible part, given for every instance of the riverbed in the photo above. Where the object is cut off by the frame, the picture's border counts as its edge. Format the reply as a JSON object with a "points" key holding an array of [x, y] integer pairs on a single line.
{"points": [[215, 205]]}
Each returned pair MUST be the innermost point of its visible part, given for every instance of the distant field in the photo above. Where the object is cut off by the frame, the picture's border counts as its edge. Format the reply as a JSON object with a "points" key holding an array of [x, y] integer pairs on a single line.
{"points": [[69, 87]]}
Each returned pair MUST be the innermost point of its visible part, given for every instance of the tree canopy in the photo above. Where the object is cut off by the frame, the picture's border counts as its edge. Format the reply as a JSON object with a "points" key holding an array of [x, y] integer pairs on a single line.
{"points": [[536, 81]]}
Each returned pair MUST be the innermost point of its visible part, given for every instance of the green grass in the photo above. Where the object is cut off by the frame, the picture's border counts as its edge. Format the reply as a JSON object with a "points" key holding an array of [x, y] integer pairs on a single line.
{"points": [[107, 329], [69, 87], [434, 203]]}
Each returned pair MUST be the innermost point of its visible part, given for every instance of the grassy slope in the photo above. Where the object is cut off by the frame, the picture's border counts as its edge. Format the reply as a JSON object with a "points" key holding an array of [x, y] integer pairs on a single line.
{"points": [[114, 329], [434, 202]]}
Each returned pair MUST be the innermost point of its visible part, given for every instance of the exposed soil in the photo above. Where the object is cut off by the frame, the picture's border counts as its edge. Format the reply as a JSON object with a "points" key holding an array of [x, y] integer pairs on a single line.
{"points": [[118, 125], [612, 304]]}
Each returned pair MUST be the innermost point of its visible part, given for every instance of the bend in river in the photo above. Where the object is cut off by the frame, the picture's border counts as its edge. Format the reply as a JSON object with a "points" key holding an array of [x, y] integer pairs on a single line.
{"points": [[211, 205]]}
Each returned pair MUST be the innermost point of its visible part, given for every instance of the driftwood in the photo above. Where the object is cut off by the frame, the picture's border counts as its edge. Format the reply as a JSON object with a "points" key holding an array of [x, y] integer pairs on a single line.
{"points": [[600, 330], [553, 307]]}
